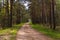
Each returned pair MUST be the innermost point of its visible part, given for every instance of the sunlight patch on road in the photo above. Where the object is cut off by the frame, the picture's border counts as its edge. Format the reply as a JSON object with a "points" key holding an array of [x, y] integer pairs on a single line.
{"points": [[22, 33]]}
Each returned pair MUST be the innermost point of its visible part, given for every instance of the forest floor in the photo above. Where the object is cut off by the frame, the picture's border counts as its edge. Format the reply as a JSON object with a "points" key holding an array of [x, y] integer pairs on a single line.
{"points": [[27, 33], [10, 33]]}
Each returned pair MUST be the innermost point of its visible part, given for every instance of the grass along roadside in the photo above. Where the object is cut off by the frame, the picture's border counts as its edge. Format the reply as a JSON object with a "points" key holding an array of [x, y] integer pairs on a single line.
{"points": [[51, 33], [11, 31]]}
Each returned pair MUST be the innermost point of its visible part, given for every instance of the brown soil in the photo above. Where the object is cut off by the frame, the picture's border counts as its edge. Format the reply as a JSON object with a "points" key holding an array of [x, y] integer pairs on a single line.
{"points": [[27, 33]]}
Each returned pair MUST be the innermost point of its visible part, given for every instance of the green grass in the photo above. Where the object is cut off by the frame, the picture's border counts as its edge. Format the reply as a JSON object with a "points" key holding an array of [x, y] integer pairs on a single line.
{"points": [[11, 31], [43, 29]]}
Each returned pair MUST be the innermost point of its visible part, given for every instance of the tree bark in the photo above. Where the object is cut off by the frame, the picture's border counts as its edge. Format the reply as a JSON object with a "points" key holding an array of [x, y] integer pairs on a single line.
{"points": [[53, 14], [11, 7]]}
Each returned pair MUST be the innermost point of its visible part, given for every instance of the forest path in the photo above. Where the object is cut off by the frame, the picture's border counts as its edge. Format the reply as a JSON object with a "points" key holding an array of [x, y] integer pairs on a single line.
{"points": [[27, 33]]}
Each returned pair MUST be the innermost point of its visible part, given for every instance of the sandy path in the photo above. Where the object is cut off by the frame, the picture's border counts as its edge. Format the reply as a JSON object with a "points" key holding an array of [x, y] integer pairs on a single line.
{"points": [[27, 33]]}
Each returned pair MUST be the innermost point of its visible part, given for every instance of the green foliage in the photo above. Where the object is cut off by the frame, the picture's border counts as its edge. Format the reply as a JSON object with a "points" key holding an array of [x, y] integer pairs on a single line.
{"points": [[43, 29], [13, 30]]}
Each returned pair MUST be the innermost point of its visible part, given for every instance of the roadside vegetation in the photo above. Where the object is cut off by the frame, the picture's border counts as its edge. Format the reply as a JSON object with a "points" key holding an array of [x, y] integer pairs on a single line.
{"points": [[55, 34], [11, 31]]}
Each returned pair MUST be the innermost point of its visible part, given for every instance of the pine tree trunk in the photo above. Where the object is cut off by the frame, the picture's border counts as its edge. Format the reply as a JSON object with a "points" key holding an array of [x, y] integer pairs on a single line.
{"points": [[11, 4], [53, 14], [50, 15], [43, 12], [7, 11]]}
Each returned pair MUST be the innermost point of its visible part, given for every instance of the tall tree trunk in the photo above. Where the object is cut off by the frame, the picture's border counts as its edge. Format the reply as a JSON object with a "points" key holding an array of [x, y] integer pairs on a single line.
{"points": [[43, 12], [11, 7], [50, 15], [3, 21], [18, 13], [53, 14], [7, 11]]}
